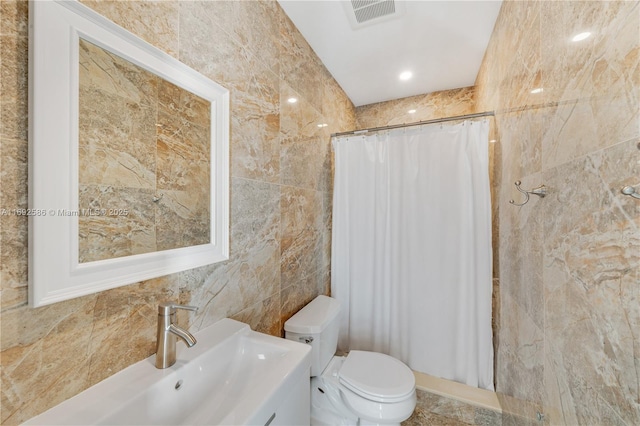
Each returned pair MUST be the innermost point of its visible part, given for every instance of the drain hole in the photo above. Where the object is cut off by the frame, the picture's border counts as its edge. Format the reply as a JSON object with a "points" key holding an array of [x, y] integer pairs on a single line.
{"points": [[321, 391], [178, 384]]}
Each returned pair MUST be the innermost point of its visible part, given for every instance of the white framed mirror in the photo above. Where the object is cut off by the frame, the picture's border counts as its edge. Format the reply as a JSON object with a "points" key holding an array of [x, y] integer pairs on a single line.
{"points": [[128, 158]]}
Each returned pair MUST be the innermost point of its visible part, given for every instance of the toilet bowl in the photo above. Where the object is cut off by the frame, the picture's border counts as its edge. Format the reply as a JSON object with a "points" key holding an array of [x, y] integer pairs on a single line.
{"points": [[362, 388]]}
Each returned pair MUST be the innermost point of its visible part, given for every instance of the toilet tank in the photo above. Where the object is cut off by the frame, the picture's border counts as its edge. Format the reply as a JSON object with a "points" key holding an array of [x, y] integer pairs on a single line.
{"points": [[316, 324]]}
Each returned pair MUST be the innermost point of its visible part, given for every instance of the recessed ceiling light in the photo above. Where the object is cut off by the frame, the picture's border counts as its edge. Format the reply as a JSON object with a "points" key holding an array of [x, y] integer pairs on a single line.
{"points": [[581, 36], [322, 125], [537, 90], [492, 141], [405, 75], [292, 100], [412, 111]]}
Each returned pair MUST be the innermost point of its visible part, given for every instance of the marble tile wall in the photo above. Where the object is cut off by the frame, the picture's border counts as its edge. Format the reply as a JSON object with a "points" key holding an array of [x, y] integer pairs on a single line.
{"points": [[281, 166], [569, 264], [446, 103]]}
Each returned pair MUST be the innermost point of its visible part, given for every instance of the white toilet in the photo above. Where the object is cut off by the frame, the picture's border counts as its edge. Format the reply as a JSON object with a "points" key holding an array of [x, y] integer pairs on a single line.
{"points": [[363, 388]]}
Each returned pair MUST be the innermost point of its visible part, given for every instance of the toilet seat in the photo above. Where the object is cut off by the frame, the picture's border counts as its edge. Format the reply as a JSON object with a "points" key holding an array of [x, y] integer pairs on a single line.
{"points": [[377, 377]]}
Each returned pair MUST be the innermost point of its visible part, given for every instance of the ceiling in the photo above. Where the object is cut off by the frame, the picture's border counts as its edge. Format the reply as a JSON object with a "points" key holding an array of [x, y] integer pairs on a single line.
{"points": [[441, 42]]}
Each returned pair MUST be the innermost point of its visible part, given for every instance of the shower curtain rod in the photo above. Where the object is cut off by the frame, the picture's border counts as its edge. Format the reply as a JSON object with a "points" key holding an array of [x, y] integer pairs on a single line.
{"points": [[419, 123]]}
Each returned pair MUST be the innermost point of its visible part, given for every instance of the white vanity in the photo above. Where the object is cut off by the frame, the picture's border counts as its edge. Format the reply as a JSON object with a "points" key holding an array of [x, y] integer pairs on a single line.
{"points": [[232, 376]]}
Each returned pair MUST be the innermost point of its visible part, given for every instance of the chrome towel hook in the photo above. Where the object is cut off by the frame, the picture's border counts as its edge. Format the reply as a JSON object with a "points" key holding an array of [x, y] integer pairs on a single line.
{"points": [[540, 191], [631, 191]]}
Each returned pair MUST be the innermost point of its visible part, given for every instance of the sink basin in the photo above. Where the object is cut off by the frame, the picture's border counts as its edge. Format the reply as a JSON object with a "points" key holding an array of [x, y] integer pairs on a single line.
{"points": [[232, 376]]}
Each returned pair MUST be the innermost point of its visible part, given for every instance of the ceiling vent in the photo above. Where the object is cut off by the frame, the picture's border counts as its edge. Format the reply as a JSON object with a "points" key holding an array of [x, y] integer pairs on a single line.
{"points": [[364, 12]]}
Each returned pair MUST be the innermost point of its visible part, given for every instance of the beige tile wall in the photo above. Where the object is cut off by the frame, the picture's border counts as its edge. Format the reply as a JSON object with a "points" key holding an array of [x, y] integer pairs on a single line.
{"points": [[280, 199], [569, 264], [446, 103]]}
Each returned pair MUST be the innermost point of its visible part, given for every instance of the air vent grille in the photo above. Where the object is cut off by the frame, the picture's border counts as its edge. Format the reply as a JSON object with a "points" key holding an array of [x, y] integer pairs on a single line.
{"points": [[366, 10]]}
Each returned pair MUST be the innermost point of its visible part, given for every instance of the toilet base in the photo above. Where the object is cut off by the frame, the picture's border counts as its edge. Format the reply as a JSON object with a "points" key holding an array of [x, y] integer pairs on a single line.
{"points": [[328, 407], [325, 413]]}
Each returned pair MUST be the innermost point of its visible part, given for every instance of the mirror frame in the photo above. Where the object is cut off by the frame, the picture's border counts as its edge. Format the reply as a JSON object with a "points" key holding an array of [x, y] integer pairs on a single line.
{"points": [[55, 273]]}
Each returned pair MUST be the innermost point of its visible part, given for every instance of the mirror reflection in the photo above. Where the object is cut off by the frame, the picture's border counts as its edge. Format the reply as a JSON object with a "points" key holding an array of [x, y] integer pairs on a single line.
{"points": [[144, 160]]}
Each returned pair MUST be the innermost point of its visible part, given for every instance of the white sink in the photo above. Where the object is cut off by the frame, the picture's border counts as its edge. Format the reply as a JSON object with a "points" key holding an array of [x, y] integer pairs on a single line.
{"points": [[232, 376]]}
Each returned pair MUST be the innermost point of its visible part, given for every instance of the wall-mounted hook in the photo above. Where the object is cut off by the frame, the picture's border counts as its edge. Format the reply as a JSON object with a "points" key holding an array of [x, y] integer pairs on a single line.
{"points": [[631, 191], [540, 191]]}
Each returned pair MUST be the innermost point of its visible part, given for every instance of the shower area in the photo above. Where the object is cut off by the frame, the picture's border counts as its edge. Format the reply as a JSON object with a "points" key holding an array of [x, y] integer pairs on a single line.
{"points": [[411, 245], [566, 267]]}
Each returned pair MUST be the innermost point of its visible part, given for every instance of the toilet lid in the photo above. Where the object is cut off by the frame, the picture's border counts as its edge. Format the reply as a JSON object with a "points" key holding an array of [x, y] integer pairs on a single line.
{"points": [[377, 376]]}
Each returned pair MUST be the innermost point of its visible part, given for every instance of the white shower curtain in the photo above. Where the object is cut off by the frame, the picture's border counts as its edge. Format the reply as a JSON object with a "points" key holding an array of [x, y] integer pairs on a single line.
{"points": [[411, 250]]}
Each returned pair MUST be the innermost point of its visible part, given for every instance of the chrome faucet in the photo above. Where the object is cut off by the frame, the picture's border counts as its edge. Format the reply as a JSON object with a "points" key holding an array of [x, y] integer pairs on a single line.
{"points": [[168, 332]]}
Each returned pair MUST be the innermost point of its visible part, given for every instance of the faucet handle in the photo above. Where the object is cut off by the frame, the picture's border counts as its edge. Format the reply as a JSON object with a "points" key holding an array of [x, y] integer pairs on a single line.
{"points": [[168, 308]]}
